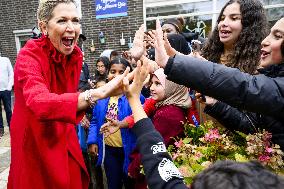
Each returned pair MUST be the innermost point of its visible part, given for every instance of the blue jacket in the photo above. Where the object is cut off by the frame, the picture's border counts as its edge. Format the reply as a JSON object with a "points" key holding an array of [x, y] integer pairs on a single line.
{"points": [[98, 119]]}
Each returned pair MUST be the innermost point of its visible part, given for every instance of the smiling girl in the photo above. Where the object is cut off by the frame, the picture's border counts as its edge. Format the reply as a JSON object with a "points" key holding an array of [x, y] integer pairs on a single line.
{"points": [[235, 41], [167, 108], [272, 65], [113, 152]]}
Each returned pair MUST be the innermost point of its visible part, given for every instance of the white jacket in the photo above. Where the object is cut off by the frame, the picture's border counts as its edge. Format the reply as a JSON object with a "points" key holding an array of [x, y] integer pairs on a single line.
{"points": [[6, 74]]}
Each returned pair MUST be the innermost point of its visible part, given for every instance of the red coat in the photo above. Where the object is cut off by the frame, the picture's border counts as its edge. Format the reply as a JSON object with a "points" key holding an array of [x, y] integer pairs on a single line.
{"points": [[44, 145]]}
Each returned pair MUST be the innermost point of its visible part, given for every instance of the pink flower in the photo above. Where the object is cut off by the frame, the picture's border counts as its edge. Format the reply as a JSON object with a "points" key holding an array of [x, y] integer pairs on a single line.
{"points": [[175, 155], [268, 150], [198, 155], [179, 143], [264, 158], [212, 135], [185, 171]]}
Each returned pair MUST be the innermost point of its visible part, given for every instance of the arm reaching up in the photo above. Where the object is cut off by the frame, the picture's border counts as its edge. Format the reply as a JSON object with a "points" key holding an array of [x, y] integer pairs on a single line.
{"points": [[161, 173]]}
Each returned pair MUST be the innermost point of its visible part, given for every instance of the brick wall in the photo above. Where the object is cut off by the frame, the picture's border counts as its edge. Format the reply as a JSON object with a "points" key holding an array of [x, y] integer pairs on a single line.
{"points": [[15, 15], [111, 27], [21, 14]]}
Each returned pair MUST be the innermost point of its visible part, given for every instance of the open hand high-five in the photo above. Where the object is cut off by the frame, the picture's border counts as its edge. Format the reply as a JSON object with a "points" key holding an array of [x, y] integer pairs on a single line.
{"points": [[139, 45], [140, 73], [161, 56], [134, 89]]}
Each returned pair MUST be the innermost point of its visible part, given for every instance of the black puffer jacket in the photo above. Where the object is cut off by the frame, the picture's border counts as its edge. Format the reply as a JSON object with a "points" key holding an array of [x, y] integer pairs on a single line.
{"points": [[255, 93], [249, 122], [263, 93]]}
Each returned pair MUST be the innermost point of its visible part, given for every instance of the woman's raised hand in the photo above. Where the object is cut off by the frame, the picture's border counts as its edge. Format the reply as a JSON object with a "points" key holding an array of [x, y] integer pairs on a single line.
{"points": [[140, 74], [161, 56], [139, 46], [169, 49]]}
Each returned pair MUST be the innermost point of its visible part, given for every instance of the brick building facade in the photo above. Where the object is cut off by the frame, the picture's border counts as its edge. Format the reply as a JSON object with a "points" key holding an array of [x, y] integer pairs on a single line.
{"points": [[111, 27], [18, 17], [15, 15]]}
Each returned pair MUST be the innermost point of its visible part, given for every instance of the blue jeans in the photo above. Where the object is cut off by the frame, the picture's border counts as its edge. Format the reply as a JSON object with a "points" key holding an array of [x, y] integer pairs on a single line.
{"points": [[5, 97], [113, 163]]}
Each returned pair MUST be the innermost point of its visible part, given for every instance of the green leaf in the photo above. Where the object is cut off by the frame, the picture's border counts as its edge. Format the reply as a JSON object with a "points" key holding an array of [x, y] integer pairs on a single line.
{"points": [[187, 140], [240, 158]]}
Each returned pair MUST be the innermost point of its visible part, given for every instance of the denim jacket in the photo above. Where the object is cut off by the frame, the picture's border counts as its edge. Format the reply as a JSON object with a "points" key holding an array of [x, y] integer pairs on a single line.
{"points": [[98, 119]]}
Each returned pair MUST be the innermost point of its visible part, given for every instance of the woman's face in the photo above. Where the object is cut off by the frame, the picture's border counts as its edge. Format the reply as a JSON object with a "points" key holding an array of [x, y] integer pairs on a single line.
{"points": [[157, 90], [115, 69], [63, 28], [271, 45], [230, 25], [169, 28], [101, 68]]}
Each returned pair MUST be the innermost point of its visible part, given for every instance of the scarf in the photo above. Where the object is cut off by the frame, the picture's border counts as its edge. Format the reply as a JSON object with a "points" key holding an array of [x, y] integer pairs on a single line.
{"points": [[175, 94]]}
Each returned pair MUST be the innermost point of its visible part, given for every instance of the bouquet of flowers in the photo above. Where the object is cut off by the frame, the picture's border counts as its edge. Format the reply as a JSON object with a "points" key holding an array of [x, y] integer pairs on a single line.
{"points": [[205, 144]]}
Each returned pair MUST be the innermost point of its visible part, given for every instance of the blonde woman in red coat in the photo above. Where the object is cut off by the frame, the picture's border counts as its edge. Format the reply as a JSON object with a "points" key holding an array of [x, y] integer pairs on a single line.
{"points": [[45, 148]]}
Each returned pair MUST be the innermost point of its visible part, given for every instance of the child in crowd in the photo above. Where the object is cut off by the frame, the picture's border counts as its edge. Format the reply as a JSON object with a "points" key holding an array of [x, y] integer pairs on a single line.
{"points": [[102, 66], [113, 152], [95, 172], [113, 55], [173, 25], [167, 107], [100, 82], [236, 39]]}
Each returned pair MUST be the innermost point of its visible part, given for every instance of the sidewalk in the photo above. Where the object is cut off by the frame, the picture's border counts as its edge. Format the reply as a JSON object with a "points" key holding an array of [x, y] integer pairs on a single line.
{"points": [[5, 158]]}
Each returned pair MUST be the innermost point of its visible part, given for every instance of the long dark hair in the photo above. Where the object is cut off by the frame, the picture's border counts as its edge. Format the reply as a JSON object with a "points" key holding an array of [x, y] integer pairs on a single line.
{"points": [[246, 54], [106, 63]]}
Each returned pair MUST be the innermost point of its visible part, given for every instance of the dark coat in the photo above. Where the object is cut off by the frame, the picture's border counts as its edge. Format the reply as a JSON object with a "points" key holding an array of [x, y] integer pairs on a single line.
{"points": [[168, 121], [249, 122], [160, 171], [255, 93]]}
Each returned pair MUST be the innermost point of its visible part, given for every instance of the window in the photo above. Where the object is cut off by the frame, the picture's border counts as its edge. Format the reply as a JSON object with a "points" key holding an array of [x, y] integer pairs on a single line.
{"points": [[21, 37], [200, 15], [197, 14]]}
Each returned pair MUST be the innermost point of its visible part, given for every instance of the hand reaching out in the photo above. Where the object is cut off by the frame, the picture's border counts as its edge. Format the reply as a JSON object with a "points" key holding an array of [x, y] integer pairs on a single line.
{"points": [[197, 55], [169, 49], [133, 91], [85, 122], [139, 46], [161, 56], [140, 74], [110, 127]]}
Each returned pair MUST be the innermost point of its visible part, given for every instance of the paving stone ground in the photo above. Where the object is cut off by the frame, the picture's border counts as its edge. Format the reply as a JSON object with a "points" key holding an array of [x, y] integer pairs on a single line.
{"points": [[5, 155]]}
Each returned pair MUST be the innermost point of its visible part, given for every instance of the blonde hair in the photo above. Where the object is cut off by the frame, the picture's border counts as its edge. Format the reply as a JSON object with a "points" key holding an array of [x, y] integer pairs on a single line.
{"points": [[46, 7]]}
